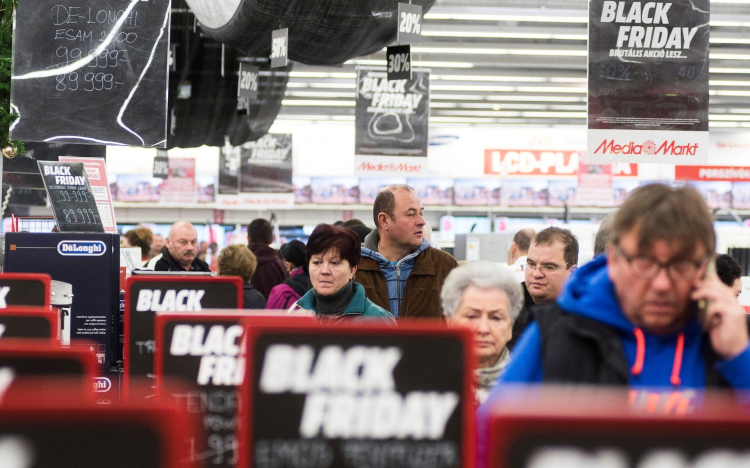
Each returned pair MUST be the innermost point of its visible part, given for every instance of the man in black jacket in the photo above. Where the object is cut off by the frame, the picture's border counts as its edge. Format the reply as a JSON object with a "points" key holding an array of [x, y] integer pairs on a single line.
{"points": [[181, 250]]}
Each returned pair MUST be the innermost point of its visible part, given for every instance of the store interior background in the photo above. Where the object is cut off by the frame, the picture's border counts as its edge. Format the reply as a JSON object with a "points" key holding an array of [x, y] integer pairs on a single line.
{"points": [[505, 74]]}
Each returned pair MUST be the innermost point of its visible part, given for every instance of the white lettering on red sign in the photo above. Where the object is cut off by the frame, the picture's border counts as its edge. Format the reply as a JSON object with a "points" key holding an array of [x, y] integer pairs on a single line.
{"points": [[530, 162]]}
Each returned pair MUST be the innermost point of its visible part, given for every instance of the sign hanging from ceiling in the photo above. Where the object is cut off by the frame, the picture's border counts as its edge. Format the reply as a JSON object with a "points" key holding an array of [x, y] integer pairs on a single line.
{"points": [[648, 82], [256, 173], [392, 120]]}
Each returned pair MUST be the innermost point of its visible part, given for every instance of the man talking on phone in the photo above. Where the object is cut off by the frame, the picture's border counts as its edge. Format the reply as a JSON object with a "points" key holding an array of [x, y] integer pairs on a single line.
{"points": [[632, 317]]}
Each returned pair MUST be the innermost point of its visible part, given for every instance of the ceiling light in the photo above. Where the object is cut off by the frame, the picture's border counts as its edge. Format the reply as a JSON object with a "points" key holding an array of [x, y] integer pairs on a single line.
{"points": [[519, 18], [320, 94], [504, 89], [306, 74], [729, 70], [487, 51], [728, 83], [312, 102], [416, 63], [547, 89], [528, 79], [502, 35], [536, 98], [715, 56]]}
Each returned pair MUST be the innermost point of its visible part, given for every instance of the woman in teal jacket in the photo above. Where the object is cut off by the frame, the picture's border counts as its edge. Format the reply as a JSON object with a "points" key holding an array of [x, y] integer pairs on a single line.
{"points": [[333, 255]]}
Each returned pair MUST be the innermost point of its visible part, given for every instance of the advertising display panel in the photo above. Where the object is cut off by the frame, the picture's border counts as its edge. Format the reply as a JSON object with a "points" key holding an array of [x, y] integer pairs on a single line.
{"points": [[648, 81]]}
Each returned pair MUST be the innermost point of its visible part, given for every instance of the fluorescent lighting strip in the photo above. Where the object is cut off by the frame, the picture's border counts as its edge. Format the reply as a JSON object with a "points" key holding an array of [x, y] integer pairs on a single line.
{"points": [[514, 18], [417, 63], [744, 71], [312, 102], [481, 51], [583, 19], [500, 35], [728, 83], [320, 94], [305, 74]]}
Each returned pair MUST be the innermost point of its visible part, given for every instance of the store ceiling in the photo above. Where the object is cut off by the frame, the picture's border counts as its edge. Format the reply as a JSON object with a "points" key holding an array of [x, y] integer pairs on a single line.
{"points": [[519, 63]]}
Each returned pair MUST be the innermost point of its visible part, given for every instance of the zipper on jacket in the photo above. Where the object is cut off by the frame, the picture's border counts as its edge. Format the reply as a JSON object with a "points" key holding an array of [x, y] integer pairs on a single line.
{"points": [[398, 285]]}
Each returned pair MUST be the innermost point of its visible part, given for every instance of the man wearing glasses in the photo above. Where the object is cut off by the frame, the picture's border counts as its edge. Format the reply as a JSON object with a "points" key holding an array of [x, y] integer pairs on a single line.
{"points": [[552, 257], [632, 317]]}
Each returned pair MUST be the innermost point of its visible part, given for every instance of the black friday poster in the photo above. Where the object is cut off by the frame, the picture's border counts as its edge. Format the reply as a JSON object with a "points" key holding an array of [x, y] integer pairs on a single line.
{"points": [[648, 81], [392, 123]]}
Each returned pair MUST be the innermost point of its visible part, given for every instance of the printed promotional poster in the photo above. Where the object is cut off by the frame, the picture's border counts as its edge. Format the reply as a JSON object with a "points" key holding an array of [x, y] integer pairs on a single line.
{"points": [[392, 119], [648, 81]]}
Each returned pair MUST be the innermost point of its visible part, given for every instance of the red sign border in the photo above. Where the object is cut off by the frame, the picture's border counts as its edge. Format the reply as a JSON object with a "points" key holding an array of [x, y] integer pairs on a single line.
{"points": [[236, 280], [51, 316], [264, 325], [31, 277], [169, 425], [506, 429]]}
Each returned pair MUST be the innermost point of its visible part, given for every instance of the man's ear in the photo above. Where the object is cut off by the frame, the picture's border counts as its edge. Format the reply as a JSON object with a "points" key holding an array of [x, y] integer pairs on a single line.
{"points": [[573, 269], [249, 240], [382, 220]]}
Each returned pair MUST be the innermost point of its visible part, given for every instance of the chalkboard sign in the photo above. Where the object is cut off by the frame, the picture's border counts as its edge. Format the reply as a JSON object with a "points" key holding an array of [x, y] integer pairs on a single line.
{"points": [[69, 192], [91, 71], [357, 396]]}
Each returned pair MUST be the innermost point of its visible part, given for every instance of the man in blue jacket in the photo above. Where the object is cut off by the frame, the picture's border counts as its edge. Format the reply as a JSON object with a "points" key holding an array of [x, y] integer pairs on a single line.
{"points": [[632, 317]]}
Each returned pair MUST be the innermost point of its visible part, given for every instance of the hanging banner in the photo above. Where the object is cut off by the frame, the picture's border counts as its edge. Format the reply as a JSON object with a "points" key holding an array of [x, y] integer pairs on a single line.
{"points": [[392, 119], [648, 82], [257, 173], [179, 188], [594, 184], [97, 173]]}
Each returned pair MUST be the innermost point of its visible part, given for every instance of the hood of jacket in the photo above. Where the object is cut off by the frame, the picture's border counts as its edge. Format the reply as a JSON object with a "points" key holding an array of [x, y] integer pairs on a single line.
{"points": [[264, 253], [656, 360], [370, 250]]}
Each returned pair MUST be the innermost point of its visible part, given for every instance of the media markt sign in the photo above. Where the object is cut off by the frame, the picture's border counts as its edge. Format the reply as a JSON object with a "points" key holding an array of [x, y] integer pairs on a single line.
{"points": [[648, 82], [670, 147]]}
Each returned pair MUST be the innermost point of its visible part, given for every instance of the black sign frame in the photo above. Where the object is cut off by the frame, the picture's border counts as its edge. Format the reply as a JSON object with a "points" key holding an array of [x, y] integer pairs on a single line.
{"points": [[145, 328], [29, 284], [259, 328]]}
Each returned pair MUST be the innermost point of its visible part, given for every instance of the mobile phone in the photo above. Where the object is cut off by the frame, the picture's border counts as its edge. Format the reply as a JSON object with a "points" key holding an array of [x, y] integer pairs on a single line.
{"points": [[703, 303]]}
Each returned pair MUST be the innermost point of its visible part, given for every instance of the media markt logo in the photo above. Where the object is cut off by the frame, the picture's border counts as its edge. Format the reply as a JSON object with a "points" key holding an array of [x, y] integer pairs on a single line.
{"points": [[666, 148], [81, 248]]}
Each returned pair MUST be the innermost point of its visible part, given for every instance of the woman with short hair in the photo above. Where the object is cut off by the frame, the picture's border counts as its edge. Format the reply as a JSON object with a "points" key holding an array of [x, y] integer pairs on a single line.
{"points": [[238, 260], [333, 255], [487, 299]]}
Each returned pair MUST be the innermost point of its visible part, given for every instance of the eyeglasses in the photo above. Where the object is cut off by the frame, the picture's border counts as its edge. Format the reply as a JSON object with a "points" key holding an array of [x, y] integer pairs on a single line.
{"points": [[544, 267], [647, 267]]}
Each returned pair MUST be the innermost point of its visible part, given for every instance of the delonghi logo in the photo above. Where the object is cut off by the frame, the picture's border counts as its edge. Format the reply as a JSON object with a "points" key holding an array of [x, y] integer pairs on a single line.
{"points": [[102, 384], [667, 148], [81, 248]]}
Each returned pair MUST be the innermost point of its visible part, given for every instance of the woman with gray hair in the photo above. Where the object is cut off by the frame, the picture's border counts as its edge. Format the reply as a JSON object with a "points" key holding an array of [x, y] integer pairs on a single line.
{"points": [[486, 298]]}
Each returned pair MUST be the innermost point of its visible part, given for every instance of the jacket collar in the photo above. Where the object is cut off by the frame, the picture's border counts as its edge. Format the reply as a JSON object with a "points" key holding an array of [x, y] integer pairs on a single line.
{"points": [[355, 307], [370, 250]]}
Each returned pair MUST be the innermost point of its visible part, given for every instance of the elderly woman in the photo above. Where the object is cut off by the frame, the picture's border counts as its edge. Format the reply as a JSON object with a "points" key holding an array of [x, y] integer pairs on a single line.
{"points": [[487, 299], [332, 256], [238, 260]]}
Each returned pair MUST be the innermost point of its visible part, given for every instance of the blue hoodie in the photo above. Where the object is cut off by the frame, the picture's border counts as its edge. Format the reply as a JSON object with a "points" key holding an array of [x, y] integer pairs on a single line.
{"points": [[590, 293]]}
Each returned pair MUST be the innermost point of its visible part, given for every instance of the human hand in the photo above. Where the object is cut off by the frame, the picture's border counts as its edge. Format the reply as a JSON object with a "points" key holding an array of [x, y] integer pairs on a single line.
{"points": [[724, 321]]}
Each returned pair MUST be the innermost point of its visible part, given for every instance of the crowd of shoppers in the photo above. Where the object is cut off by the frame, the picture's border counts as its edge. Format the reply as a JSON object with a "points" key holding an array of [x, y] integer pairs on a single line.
{"points": [[630, 317]]}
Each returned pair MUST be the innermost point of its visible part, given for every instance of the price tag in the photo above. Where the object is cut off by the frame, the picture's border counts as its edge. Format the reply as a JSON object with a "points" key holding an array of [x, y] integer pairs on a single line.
{"points": [[248, 85], [279, 48], [399, 62], [69, 192], [161, 167], [409, 23]]}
